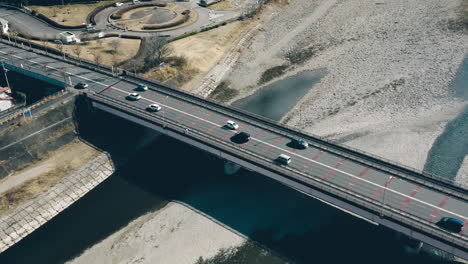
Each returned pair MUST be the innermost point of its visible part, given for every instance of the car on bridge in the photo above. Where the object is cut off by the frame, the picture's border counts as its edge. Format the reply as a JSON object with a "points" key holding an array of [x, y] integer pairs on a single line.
{"points": [[153, 108], [118, 4], [283, 159], [141, 87], [451, 224], [241, 137], [298, 143], [134, 96], [81, 85], [231, 125]]}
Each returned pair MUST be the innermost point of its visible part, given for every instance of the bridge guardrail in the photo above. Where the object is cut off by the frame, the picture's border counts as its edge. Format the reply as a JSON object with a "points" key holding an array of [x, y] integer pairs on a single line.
{"points": [[362, 157], [377, 207]]}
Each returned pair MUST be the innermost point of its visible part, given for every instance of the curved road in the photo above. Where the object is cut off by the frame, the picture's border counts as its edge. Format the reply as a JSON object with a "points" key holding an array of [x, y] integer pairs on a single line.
{"points": [[31, 26]]}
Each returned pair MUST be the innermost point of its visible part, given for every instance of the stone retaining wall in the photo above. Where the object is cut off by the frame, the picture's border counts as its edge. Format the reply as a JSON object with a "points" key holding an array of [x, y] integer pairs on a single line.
{"points": [[30, 216]]}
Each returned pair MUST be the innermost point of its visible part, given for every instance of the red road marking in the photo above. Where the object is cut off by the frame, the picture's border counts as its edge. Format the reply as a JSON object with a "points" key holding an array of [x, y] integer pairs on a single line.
{"points": [[274, 144], [350, 185], [436, 211], [215, 126], [233, 132], [200, 119], [172, 106], [311, 160], [381, 189], [464, 226], [408, 200], [293, 150], [330, 172], [106, 90], [254, 136], [188, 112]]}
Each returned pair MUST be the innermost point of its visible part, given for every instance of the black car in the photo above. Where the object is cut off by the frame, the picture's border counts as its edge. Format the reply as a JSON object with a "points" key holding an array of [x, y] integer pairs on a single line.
{"points": [[451, 224], [298, 144], [241, 137], [81, 85]]}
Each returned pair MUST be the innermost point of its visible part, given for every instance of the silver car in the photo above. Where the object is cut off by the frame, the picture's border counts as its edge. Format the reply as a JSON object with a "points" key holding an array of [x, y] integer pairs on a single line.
{"points": [[134, 97]]}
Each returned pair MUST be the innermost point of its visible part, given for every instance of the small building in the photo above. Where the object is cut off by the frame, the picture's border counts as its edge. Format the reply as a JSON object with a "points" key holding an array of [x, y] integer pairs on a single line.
{"points": [[67, 37], [4, 25], [6, 101]]}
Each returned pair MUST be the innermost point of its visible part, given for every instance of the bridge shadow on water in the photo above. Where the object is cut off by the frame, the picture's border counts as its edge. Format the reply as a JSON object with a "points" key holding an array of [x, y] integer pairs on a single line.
{"points": [[289, 225]]}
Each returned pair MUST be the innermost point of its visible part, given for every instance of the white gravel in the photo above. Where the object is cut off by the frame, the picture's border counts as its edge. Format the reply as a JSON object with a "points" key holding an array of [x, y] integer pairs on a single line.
{"points": [[389, 65], [175, 234], [462, 176]]}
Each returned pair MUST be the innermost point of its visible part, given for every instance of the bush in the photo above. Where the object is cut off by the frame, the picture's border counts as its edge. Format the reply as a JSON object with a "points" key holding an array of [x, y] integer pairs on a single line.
{"points": [[120, 12], [223, 93], [177, 61], [272, 73], [184, 19]]}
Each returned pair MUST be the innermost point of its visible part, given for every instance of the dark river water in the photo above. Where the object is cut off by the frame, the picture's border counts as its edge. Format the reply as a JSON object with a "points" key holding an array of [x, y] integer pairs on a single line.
{"points": [[283, 225], [451, 147]]}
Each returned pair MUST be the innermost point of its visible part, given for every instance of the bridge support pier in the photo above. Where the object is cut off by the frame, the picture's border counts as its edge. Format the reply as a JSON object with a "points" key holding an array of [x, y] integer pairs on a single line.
{"points": [[230, 167]]}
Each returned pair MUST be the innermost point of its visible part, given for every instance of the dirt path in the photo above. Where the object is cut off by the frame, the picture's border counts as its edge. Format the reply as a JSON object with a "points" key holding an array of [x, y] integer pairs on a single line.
{"points": [[38, 177]]}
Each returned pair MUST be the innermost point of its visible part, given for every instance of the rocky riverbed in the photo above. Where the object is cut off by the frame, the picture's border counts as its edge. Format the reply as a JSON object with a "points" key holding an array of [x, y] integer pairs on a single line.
{"points": [[389, 67]]}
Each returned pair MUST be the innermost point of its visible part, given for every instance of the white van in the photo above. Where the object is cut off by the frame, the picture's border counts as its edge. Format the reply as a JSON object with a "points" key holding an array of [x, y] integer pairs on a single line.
{"points": [[284, 159]]}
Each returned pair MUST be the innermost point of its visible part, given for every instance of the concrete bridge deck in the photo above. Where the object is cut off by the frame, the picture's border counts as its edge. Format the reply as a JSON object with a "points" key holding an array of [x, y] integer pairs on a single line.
{"points": [[397, 197]]}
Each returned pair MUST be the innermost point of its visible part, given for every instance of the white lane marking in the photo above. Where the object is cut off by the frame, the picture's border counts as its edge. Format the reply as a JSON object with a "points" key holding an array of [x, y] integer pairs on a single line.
{"points": [[273, 146]]}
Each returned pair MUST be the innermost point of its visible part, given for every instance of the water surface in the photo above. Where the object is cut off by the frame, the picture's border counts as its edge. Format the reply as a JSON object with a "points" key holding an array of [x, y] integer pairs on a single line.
{"points": [[276, 99]]}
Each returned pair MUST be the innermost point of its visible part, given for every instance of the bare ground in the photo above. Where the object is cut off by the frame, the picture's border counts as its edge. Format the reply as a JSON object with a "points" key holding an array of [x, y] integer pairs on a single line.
{"points": [[38, 177], [201, 52], [71, 14], [126, 49]]}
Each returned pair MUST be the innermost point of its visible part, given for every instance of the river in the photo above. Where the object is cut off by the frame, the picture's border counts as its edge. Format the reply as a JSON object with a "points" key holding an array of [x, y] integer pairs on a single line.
{"points": [[285, 225]]}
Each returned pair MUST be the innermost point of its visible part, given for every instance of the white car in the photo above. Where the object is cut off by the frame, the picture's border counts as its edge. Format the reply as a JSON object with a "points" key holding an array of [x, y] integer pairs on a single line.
{"points": [[153, 108], [232, 125], [134, 96], [118, 4]]}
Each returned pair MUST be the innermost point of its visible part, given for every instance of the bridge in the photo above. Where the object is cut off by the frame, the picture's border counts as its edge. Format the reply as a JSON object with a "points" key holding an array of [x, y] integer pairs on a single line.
{"points": [[400, 198]]}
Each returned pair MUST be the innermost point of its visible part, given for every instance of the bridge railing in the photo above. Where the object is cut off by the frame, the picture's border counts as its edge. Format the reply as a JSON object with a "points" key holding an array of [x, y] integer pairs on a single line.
{"points": [[360, 156], [379, 207]]}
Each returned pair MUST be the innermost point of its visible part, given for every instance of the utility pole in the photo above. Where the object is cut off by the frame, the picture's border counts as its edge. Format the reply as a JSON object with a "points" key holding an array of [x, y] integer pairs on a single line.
{"points": [[6, 77]]}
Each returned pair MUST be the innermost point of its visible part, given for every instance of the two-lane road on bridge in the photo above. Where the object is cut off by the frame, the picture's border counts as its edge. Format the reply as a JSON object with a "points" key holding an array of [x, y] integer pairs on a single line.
{"points": [[372, 184]]}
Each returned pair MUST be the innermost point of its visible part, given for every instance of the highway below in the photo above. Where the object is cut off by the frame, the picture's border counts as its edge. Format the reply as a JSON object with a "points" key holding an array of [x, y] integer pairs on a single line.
{"points": [[393, 197]]}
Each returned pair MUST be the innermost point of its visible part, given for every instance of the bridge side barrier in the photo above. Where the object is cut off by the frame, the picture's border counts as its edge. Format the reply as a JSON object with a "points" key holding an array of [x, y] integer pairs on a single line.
{"points": [[19, 111], [364, 158], [420, 177], [379, 208]]}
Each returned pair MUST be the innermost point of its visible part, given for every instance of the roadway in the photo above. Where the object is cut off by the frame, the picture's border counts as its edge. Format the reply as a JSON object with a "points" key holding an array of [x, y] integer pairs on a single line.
{"points": [[411, 199]]}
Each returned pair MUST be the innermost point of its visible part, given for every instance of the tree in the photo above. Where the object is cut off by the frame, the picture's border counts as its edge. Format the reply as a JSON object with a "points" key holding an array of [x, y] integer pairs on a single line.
{"points": [[99, 42], [77, 51], [114, 44], [158, 51], [45, 43], [97, 57]]}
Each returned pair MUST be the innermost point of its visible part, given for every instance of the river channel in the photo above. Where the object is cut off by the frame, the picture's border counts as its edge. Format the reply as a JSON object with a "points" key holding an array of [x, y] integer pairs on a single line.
{"points": [[291, 226]]}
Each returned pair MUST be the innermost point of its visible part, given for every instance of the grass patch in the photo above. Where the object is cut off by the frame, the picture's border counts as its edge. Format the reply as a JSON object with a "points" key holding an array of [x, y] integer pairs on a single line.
{"points": [[301, 56], [71, 14], [223, 93], [222, 5], [272, 73]]}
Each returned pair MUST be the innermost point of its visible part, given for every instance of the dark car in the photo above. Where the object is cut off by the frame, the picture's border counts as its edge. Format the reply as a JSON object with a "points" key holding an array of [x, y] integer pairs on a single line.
{"points": [[298, 144], [241, 137], [81, 85], [451, 224]]}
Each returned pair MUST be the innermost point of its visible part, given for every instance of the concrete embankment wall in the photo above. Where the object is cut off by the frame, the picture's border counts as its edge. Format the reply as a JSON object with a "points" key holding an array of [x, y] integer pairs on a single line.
{"points": [[31, 215], [31, 140]]}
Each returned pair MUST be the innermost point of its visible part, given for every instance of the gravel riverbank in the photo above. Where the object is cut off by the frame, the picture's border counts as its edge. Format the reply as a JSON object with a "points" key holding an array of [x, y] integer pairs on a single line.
{"points": [[389, 67]]}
